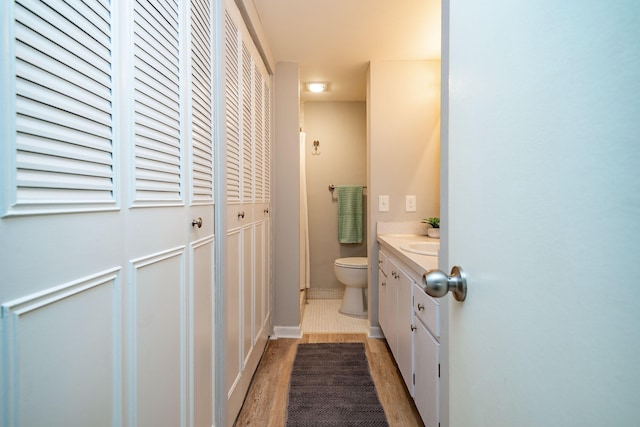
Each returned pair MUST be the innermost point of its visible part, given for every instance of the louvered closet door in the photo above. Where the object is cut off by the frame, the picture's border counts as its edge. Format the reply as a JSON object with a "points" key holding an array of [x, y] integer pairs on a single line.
{"points": [[201, 240], [61, 275], [261, 104], [234, 253], [171, 292], [107, 156], [246, 288]]}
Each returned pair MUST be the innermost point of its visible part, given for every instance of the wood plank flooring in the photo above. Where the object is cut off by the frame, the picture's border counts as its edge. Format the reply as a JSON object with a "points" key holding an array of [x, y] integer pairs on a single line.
{"points": [[266, 401]]}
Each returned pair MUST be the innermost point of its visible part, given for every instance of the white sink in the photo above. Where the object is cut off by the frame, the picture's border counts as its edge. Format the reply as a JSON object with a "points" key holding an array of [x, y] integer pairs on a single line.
{"points": [[422, 248]]}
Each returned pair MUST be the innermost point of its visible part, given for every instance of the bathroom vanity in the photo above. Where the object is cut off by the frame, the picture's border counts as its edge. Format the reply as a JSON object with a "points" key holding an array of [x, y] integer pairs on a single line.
{"points": [[409, 318]]}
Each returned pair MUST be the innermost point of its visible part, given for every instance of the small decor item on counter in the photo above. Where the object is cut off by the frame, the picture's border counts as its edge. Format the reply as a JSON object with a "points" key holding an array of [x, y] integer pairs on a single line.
{"points": [[434, 231]]}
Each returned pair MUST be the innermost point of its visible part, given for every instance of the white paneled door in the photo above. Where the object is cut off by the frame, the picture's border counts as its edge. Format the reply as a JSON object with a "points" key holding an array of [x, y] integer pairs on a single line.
{"points": [[543, 212], [107, 213]]}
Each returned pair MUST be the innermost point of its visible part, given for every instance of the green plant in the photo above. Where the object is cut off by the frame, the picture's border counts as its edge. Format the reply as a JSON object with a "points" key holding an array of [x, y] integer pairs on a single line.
{"points": [[433, 221]]}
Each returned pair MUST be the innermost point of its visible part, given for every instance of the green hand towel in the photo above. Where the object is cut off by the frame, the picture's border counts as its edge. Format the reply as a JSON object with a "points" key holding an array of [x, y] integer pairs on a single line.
{"points": [[349, 214]]}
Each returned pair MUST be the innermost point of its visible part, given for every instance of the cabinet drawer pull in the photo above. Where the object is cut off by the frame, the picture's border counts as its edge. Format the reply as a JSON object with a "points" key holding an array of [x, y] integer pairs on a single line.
{"points": [[413, 328], [420, 307], [240, 214], [384, 283]]}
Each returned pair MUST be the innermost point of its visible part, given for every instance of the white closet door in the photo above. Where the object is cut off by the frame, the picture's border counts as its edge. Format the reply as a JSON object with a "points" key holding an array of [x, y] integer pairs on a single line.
{"points": [[158, 292], [105, 287], [61, 276], [202, 244], [245, 287]]}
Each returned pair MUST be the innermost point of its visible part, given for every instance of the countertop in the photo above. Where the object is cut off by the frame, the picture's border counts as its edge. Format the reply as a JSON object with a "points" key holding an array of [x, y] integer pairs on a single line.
{"points": [[392, 243]]}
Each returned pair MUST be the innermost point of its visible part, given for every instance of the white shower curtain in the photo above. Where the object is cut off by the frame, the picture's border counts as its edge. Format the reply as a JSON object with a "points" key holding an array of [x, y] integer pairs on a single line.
{"points": [[305, 262]]}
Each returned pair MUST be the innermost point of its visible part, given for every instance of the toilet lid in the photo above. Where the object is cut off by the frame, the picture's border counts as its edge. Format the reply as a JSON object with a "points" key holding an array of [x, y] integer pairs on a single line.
{"points": [[353, 262]]}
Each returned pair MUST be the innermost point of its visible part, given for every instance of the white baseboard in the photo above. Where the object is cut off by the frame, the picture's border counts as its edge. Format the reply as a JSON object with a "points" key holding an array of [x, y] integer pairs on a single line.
{"points": [[287, 332], [325, 293], [375, 332]]}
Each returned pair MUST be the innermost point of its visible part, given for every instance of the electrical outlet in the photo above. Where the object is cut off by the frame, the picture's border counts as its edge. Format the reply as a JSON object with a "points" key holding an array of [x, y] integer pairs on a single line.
{"points": [[410, 203], [383, 203]]}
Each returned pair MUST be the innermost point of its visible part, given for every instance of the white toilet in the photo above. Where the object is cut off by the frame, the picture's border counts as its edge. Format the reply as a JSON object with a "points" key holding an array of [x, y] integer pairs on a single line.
{"points": [[352, 272]]}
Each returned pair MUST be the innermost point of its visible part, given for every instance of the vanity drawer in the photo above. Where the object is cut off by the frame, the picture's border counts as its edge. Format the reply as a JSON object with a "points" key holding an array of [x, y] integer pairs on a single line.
{"points": [[382, 262], [427, 310]]}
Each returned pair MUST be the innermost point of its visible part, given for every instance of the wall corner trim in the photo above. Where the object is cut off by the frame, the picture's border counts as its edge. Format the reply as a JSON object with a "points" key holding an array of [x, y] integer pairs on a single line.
{"points": [[287, 332], [375, 332]]}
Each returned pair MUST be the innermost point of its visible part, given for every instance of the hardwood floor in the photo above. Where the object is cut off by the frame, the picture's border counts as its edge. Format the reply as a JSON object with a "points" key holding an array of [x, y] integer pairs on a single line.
{"points": [[266, 401]]}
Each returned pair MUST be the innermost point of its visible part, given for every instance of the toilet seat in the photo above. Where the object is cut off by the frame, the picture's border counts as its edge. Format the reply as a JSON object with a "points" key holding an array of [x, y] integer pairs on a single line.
{"points": [[352, 262]]}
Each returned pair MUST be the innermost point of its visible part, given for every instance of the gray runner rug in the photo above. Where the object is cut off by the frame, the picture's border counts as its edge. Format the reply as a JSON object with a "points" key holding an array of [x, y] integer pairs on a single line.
{"points": [[331, 386]]}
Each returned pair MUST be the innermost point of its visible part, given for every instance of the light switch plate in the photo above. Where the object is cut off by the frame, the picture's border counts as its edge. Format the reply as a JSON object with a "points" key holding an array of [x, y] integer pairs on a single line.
{"points": [[383, 203], [410, 203]]}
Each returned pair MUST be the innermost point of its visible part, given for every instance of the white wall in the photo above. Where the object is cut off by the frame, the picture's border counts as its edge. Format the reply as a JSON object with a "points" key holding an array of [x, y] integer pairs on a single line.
{"points": [[403, 147], [286, 196], [340, 160], [405, 136]]}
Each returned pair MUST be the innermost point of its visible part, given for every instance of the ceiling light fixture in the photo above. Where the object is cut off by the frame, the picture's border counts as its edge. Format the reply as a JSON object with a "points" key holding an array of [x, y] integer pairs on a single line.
{"points": [[317, 87]]}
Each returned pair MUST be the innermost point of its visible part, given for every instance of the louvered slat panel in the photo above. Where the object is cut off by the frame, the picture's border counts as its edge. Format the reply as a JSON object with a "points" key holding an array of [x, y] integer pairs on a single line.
{"points": [[158, 149], [89, 166], [63, 141], [95, 150], [160, 22], [202, 101], [148, 156], [61, 63], [156, 64], [160, 49], [61, 26], [247, 125], [267, 143], [32, 109], [232, 116], [87, 100], [167, 9], [259, 134]]}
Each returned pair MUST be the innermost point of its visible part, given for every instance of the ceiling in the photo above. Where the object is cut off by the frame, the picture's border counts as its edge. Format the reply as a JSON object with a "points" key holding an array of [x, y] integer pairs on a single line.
{"points": [[334, 40]]}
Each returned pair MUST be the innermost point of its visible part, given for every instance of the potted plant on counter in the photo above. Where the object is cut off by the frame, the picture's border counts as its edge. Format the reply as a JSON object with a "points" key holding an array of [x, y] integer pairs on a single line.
{"points": [[434, 231]]}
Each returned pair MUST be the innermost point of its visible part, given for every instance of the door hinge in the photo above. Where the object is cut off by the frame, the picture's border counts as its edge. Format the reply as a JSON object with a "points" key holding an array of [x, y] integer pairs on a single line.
{"points": [[438, 370], [414, 379]]}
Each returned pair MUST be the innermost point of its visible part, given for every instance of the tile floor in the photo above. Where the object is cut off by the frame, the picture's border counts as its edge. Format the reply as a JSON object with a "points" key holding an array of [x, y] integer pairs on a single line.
{"points": [[323, 315]]}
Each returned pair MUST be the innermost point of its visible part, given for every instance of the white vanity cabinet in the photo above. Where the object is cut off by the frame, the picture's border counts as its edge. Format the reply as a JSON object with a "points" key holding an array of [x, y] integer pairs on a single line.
{"points": [[410, 321], [395, 320], [382, 291], [404, 326], [426, 351]]}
